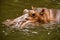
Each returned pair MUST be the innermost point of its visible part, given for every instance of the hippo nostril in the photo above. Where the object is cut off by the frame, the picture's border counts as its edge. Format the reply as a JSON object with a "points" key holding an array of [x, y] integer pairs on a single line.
{"points": [[26, 18]]}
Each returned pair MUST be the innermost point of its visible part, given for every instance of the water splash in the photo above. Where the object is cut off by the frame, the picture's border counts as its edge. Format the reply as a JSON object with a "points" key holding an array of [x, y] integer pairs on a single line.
{"points": [[5, 33]]}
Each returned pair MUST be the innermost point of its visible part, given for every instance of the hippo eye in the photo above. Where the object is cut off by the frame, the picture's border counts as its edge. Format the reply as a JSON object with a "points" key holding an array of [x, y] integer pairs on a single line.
{"points": [[33, 14], [43, 10]]}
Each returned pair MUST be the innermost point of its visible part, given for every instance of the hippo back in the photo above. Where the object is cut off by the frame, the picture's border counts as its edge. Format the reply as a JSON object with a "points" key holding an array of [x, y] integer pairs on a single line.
{"points": [[58, 16]]}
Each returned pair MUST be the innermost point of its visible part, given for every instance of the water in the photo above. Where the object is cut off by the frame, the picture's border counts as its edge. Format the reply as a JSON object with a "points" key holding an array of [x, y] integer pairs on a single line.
{"points": [[10, 9]]}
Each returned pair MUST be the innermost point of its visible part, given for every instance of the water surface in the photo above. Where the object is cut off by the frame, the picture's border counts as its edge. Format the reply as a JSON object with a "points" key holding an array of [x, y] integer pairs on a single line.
{"points": [[10, 9]]}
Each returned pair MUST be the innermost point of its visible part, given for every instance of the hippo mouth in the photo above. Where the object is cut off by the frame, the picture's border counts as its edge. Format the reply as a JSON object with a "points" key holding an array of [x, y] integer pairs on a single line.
{"points": [[20, 22]]}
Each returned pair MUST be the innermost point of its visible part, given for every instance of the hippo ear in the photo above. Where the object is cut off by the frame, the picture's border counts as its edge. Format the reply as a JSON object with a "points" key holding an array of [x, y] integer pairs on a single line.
{"points": [[43, 10], [33, 8]]}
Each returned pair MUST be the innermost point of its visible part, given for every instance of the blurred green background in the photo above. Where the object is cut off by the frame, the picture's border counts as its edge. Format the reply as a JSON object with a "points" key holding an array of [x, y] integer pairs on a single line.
{"points": [[10, 9]]}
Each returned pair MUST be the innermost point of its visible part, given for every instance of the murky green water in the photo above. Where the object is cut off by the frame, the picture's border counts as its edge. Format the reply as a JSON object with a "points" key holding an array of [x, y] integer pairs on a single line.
{"points": [[14, 8]]}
